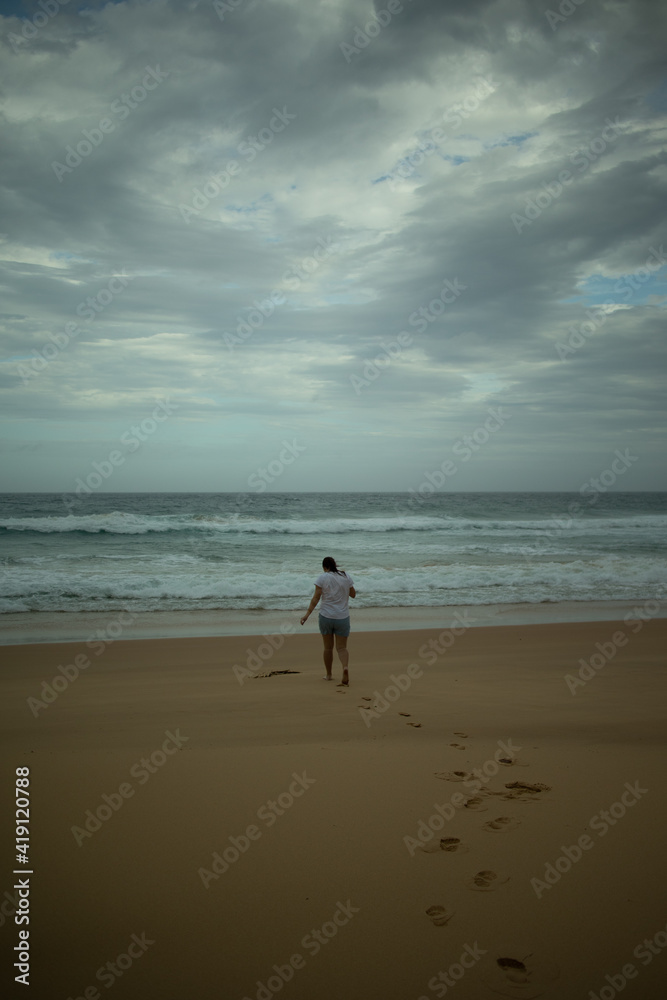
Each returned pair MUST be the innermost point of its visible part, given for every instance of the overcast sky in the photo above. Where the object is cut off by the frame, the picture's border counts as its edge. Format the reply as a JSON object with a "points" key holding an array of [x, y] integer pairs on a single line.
{"points": [[230, 209]]}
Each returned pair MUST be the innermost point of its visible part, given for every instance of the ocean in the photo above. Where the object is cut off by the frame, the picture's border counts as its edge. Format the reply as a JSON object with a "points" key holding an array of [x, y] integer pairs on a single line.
{"points": [[179, 552]]}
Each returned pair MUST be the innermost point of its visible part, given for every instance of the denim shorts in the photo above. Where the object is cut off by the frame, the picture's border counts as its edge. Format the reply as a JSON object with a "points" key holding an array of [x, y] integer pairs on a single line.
{"points": [[334, 626]]}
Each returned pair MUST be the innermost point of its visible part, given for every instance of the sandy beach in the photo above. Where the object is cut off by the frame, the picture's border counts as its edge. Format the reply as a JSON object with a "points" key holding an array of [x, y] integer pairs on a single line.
{"points": [[210, 819]]}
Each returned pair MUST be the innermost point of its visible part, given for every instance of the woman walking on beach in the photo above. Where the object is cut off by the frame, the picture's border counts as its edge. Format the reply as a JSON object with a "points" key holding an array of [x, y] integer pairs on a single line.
{"points": [[334, 586]]}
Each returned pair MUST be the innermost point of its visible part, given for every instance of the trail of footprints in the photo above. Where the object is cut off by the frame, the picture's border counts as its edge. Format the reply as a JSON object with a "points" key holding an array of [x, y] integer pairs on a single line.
{"points": [[519, 977], [526, 976], [369, 708]]}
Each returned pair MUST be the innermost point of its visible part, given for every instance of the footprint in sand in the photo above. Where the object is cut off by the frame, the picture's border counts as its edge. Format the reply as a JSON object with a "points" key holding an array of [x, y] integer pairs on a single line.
{"points": [[453, 775], [463, 736], [524, 786], [523, 790], [510, 762], [501, 823], [486, 881], [450, 844], [514, 977], [514, 970], [439, 915], [477, 803], [415, 725], [406, 714], [365, 697], [457, 746]]}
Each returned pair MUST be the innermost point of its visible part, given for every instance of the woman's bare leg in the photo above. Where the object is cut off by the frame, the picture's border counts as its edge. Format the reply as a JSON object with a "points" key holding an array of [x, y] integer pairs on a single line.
{"points": [[343, 656], [327, 654]]}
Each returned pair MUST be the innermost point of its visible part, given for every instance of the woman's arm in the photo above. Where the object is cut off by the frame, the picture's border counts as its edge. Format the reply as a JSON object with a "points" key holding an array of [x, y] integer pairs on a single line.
{"points": [[353, 592], [313, 604]]}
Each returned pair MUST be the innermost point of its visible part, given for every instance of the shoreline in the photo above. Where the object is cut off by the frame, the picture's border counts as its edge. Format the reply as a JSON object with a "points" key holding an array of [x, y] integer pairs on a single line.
{"points": [[38, 627]]}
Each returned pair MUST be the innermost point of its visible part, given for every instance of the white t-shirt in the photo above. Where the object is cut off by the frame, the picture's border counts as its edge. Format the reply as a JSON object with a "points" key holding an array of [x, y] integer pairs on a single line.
{"points": [[335, 594]]}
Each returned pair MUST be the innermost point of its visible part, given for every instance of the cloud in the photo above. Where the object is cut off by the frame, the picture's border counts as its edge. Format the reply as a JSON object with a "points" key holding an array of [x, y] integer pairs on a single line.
{"points": [[213, 161]]}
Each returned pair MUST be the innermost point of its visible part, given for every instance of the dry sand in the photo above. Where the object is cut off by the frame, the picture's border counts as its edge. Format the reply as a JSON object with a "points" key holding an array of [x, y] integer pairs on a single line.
{"points": [[335, 860]]}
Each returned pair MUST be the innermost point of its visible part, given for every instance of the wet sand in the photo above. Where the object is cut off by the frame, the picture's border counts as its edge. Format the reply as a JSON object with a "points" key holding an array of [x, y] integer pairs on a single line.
{"points": [[204, 831]]}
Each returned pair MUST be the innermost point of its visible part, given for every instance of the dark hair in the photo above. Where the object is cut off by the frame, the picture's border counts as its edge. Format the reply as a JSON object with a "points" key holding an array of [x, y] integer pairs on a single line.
{"points": [[329, 563]]}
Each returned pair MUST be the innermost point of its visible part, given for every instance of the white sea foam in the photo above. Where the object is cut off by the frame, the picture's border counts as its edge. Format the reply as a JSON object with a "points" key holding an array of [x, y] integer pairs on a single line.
{"points": [[171, 582], [160, 552], [124, 523]]}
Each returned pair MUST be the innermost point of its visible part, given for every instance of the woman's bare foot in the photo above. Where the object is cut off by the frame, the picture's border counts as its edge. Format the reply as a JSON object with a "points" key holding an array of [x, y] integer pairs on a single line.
{"points": [[346, 680]]}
